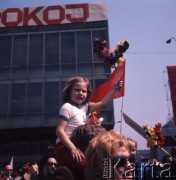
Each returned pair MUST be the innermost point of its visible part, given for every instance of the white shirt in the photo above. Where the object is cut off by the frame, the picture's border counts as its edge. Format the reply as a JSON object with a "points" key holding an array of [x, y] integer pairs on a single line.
{"points": [[74, 115]]}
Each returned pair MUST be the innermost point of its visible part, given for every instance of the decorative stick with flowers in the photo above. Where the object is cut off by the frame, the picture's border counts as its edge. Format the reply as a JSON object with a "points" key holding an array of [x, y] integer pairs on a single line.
{"points": [[112, 59], [115, 60], [154, 137]]}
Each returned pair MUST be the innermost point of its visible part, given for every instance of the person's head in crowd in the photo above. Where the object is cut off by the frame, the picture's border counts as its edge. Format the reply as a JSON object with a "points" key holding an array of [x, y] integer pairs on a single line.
{"points": [[47, 171], [166, 159], [133, 150], [8, 170], [108, 150], [51, 164], [84, 133], [49, 153], [173, 152], [63, 173]]}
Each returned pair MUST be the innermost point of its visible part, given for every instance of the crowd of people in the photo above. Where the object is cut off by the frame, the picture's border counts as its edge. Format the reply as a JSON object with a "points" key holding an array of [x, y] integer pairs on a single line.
{"points": [[87, 151], [108, 155]]}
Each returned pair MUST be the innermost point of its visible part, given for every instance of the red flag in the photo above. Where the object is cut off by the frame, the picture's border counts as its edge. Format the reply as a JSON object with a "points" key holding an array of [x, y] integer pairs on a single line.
{"points": [[172, 83], [117, 75]]}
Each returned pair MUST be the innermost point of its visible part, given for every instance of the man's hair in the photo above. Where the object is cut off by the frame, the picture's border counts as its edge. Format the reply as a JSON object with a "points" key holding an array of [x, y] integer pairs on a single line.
{"points": [[84, 133], [100, 148]]}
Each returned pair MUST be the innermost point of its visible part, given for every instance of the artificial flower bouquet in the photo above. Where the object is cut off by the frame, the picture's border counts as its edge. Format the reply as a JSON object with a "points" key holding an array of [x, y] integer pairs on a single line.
{"points": [[153, 135], [112, 59]]}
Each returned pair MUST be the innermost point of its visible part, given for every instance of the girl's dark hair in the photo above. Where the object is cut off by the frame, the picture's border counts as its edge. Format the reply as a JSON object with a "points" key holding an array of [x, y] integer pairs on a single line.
{"points": [[69, 86]]}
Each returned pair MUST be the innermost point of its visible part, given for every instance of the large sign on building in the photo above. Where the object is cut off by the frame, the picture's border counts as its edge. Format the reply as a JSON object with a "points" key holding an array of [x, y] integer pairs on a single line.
{"points": [[172, 82], [49, 15]]}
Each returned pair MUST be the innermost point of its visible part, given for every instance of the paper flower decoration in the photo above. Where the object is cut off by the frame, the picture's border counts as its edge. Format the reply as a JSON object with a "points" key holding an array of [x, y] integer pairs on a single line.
{"points": [[153, 135], [111, 58]]}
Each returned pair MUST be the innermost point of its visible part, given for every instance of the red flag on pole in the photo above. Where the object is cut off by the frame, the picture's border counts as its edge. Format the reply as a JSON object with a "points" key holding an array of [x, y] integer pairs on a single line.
{"points": [[117, 75]]}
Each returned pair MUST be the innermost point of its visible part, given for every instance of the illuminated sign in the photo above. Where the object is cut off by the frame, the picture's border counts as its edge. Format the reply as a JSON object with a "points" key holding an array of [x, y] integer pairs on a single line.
{"points": [[49, 15]]}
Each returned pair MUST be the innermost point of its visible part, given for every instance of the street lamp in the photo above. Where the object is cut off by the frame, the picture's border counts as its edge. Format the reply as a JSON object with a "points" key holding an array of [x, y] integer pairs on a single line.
{"points": [[169, 40]]}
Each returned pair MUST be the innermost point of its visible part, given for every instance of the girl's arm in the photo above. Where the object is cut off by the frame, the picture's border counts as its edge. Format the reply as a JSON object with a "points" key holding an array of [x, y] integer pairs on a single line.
{"points": [[60, 133], [108, 98]]}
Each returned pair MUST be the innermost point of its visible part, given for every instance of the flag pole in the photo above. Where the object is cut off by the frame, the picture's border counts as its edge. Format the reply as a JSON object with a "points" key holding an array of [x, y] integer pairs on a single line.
{"points": [[121, 117]]}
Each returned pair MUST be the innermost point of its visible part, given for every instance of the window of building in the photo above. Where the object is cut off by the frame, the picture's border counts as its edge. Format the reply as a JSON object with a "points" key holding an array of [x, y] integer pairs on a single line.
{"points": [[34, 97], [52, 70], [19, 60], [52, 96], [35, 71], [52, 48], [100, 68], [84, 46], [17, 104], [20, 50], [4, 72], [34, 120], [68, 54], [5, 56], [84, 68], [16, 121], [68, 69], [19, 71], [5, 50], [35, 49], [4, 98], [50, 119]]}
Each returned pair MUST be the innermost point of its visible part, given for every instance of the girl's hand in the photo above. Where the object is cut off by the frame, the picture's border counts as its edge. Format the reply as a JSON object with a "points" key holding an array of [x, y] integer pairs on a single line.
{"points": [[118, 85], [77, 155]]}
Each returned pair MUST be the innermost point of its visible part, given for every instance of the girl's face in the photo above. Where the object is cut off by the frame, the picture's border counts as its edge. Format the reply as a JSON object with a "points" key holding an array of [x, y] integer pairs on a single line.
{"points": [[79, 92]]}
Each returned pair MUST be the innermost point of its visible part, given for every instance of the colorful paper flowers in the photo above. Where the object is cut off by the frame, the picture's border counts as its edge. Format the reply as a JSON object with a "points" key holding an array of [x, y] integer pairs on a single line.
{"points": [[153, 135], [110, 58]]}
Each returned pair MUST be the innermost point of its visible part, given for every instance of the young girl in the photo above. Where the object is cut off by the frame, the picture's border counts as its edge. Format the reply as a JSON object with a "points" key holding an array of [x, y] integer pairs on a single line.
{"points": [[76, 95]]}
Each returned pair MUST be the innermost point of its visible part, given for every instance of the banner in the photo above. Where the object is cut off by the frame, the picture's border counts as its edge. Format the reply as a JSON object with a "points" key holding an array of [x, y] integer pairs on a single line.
{"points": [[172, 83], [134, 125], [49, 15], [117, 75]]}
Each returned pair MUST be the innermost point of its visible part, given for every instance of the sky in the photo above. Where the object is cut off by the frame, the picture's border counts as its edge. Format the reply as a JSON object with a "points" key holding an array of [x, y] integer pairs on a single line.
{"points": [[146, 24]]}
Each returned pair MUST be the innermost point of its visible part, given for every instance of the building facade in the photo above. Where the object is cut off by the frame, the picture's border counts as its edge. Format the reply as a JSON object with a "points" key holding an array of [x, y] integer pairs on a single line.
{"points": [[40, 48]]}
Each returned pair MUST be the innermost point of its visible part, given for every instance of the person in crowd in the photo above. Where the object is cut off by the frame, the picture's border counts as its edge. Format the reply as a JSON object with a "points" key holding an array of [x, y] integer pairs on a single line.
{"points": [[63, 173], [107, 157], [23, 172], [73, 113], [173, 154], [2, 175], [47, 172], [50, 153], [81, 137], [9, 172], [141, 168], [167, 159], [133, 150], [84, 133]]}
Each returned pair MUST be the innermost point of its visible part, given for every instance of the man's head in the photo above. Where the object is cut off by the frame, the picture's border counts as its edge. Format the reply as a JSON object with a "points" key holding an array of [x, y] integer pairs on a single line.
{"points": [[102, 151], [51, 163], [8, 170]]}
